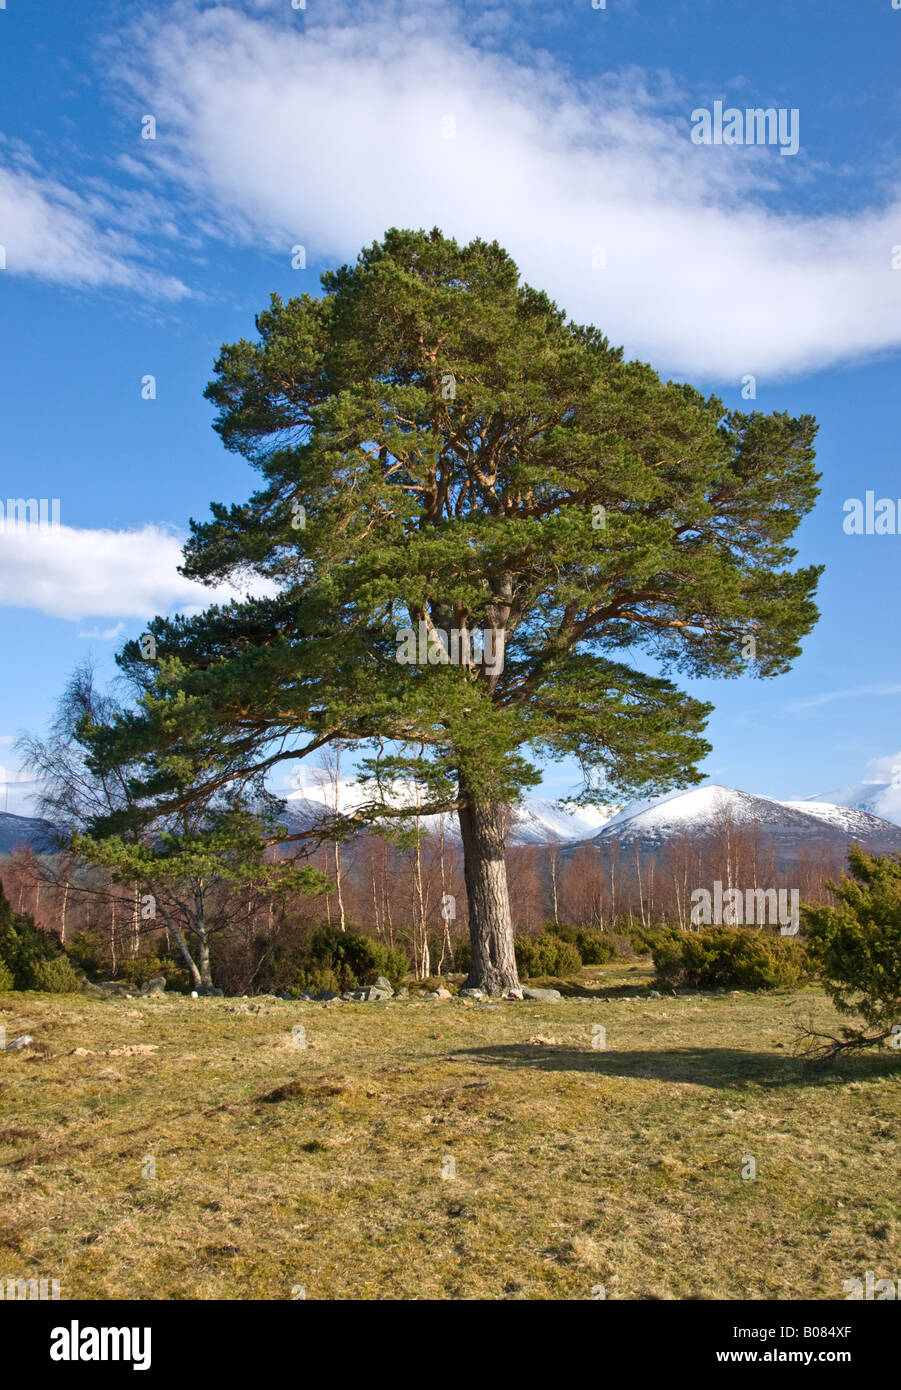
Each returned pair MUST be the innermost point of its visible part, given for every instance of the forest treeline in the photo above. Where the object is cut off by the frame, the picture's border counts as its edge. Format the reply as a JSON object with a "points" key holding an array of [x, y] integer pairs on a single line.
{"points": [[410, 898]]}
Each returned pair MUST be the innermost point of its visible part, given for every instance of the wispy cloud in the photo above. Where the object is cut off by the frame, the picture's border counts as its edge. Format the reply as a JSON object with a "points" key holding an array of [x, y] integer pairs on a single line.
{"points": [[828, 697], [50, 232], [325, 131]]}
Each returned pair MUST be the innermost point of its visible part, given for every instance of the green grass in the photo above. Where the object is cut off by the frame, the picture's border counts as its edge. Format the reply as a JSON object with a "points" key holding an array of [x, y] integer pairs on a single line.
{"points": [[279, 1167]]}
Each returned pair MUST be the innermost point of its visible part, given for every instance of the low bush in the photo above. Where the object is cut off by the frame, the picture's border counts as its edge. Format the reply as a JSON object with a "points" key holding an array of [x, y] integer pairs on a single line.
{"points": [[535, 956], [855, 949], [315, 979], [545, 955], [595, 947], [23, 945], [352, 958], [137, 970], [84, 953], [728, 958], [56, 976], [6, 978]]}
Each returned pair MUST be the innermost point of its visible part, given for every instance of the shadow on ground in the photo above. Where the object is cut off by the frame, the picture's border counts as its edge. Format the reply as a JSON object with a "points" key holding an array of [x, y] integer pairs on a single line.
{"points": [[717, 1067]]}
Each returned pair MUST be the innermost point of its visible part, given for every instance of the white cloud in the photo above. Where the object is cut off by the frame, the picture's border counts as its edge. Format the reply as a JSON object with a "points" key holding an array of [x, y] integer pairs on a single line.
{"points": [[107, 634], [328, 133], [879, 792], [81, 574], [50, 232]]}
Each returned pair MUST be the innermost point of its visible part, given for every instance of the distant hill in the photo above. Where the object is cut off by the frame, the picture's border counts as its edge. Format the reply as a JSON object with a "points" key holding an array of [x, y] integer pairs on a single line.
{"points": [[16, 831], [652, 825], [788, 825]]}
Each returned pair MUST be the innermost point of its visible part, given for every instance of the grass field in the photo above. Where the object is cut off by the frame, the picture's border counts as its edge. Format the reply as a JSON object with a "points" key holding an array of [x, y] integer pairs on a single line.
{"points": [[280, 1168]]}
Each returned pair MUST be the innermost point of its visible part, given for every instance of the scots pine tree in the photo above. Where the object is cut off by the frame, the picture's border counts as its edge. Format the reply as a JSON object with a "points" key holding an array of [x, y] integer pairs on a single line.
{"points": [[487, 539]]}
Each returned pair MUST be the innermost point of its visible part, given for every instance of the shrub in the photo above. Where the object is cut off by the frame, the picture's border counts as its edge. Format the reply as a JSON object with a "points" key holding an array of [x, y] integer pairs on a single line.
{"points": [[545, 955], [728, 958], [84, 953], [595, 947], [56, 976], [6, 978], [354, 959], [314, 979], [23, 945], [535, 956], [137, 970], [644, 940], [855, 948]]}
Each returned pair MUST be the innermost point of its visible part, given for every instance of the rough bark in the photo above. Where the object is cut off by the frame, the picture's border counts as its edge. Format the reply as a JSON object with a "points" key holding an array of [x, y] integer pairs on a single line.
{"points": [[493, 967]]}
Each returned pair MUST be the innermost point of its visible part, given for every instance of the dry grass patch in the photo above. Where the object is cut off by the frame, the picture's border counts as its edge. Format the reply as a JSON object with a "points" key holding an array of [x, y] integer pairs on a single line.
{"points": [[327, 1166]]}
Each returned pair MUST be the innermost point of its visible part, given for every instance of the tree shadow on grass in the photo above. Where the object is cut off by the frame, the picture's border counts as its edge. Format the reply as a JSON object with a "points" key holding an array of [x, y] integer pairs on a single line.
{"points": [[717, 1067]]}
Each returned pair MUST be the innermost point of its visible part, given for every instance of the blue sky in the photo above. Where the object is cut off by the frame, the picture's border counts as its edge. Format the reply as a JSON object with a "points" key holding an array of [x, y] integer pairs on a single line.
{"points": [[555, 128]]}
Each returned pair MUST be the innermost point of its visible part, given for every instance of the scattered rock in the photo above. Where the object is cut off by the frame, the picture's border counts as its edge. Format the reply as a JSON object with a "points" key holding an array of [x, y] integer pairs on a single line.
{"points": [[442, 993], [655, 994], [514, 994], [194, 994], [538, 1041], [155, 985], [325, 996], [547, 996], [26, 1040], [376, 992], [471, 994], [210, 992], [385, 984]]}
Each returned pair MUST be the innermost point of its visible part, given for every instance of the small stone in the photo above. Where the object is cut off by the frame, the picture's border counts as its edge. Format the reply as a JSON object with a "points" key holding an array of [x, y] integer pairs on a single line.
{"points": [[442, 993], [402, 993], [384, 983], [25, 1040], [194, 994], [547, 996], [471, 994], [655, 994]]}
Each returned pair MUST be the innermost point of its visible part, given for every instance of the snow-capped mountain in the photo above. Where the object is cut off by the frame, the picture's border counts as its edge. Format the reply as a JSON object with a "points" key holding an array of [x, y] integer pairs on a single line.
{"points": [[877, 795], [535, 821], [704, 811], [651, 825]]}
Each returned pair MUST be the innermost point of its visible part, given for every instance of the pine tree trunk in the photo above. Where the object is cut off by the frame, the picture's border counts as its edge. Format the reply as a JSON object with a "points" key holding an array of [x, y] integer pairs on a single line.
{"points": [[493, 967]]}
